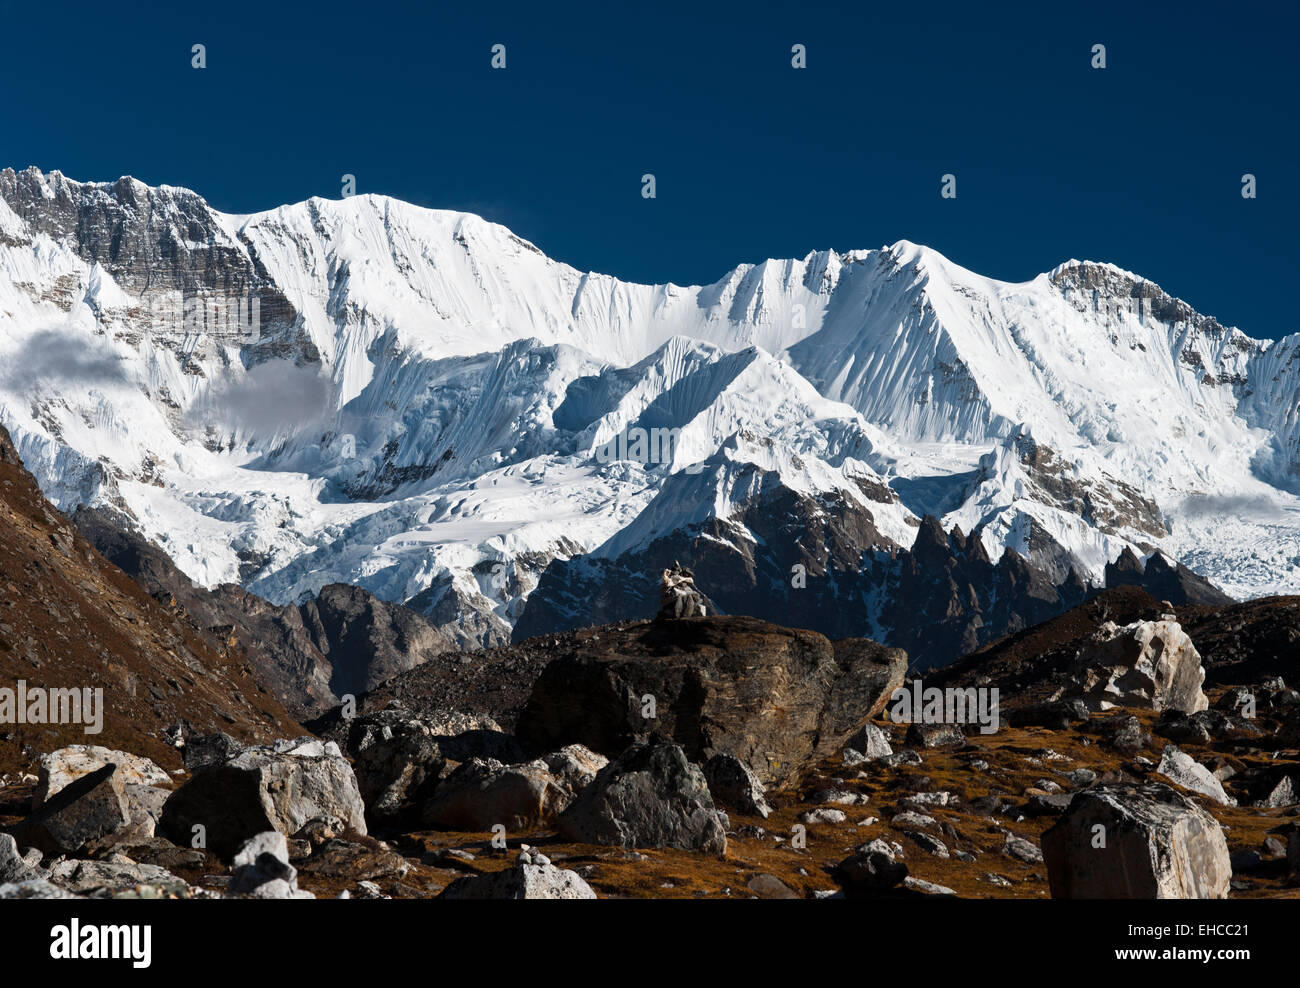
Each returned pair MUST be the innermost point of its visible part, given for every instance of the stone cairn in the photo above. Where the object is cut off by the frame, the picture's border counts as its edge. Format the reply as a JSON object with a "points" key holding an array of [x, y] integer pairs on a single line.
{"points": [[678, 596]]}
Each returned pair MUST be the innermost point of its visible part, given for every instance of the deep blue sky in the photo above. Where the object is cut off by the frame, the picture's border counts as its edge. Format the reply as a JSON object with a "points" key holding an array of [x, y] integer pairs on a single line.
{"points": [[1139, 163]]}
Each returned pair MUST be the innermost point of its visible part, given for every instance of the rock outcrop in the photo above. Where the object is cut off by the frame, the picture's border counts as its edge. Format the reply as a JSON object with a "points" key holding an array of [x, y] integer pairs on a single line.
{"points": [[117, 879], [867, 745], [397, 760], [1150, 664], [1164, 580], [775, 698]]}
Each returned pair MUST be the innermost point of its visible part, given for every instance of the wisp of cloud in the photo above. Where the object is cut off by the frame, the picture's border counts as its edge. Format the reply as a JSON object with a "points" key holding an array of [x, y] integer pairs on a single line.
{"points": [[274, 398], [62, 357]]}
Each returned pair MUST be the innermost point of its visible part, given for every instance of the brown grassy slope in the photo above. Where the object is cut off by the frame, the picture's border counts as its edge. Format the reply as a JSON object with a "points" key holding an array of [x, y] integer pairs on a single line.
{"points": [[69, 618]]}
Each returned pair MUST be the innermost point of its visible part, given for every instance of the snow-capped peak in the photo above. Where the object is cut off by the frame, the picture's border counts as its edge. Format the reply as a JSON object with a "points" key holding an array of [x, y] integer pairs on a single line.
{"points": [[426, 394]]}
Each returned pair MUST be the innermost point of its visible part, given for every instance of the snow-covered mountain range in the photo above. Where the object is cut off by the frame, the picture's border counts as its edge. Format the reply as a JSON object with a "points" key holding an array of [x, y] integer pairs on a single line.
{"points": [[423, 404]]}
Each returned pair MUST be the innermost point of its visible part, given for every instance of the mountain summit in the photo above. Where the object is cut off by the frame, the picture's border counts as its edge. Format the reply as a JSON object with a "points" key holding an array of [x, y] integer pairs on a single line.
{"points": [[423, 404]]}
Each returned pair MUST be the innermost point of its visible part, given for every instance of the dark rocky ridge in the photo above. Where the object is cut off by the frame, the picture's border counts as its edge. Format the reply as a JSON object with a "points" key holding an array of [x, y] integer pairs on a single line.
{"points": [[827, 536], [1084, 283], [1165, 580], [345, 640], [938, 600]]}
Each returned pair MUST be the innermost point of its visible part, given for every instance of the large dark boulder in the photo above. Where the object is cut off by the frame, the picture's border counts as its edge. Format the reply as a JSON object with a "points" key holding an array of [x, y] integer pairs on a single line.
{"points": [[777, 698], [397, 760], [870, 870], [650, 796]]}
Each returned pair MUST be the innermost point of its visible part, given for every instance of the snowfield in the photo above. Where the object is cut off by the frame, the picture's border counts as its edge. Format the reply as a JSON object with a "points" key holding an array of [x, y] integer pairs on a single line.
{"points": [[422, 408]]}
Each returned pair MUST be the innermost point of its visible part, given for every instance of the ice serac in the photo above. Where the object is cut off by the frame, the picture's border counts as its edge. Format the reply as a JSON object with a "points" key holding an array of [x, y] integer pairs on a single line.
{"points": [[428, 407]]}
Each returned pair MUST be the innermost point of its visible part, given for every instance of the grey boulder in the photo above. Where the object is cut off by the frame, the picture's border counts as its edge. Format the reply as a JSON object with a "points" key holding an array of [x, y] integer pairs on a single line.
{"points": [[262, 870], [482, 792], [649, 796], [91, 807], [64, 766], [1186, 771], [1126, 841], [734, 785], [15, 867], [278, 788], [869, 744], [522, 881]]}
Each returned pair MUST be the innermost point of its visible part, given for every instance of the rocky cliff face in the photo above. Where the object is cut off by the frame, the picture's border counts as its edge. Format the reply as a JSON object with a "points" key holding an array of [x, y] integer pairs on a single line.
{"points": [[151, 241]]}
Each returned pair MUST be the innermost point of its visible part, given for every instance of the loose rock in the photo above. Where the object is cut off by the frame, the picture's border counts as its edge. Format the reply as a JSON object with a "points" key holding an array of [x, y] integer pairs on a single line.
{"points": [[734, 785], [1158, 844], [650, 796], [279, 788], [1186, 771]]}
